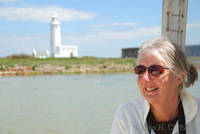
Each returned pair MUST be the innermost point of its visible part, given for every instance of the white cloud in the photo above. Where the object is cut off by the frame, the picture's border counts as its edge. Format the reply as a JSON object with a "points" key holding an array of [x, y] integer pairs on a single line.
{"points": [[23, 44], [124, 24], [43, 14], [4, 1], [114, 24], [192, 33], [112, 36]]}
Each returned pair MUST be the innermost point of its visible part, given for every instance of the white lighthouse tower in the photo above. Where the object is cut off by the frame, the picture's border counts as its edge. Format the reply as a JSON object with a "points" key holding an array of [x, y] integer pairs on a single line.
{"points": [[57, 50], [55, 34]]}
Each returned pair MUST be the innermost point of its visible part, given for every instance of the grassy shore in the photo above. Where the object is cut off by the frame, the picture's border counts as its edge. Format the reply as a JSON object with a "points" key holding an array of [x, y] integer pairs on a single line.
{"points": [[34, 66]]}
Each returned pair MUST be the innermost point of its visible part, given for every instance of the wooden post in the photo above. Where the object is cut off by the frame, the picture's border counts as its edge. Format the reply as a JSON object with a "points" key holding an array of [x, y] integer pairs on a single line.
{"points": [[174, 18]]}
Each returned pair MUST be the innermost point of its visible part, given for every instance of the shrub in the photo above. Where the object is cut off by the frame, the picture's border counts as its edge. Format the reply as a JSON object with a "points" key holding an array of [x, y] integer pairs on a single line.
{"points": [[104, 66], [2, 67], [34, 67], [19, 56], [68, 66]]}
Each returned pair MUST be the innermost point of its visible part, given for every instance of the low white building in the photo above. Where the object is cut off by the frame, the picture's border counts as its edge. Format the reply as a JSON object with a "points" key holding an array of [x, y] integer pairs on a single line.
{"points": [[41, 54], [57, 49], [65, 51]]}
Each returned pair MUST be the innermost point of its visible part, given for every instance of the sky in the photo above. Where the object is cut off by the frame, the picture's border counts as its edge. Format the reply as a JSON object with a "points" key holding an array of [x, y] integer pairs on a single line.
{"points": [[100, 28]]}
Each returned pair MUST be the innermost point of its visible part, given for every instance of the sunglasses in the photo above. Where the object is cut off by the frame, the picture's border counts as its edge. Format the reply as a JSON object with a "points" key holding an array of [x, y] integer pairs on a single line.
{"points": [[154, 69]]}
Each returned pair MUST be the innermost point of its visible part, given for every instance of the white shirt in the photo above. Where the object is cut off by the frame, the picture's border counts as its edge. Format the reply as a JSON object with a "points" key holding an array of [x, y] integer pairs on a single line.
{"points": [[130, 118]]}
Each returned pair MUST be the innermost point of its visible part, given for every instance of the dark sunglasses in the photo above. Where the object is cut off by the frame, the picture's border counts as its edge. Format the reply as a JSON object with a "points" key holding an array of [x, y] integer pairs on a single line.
{"points": [[154, 69]]}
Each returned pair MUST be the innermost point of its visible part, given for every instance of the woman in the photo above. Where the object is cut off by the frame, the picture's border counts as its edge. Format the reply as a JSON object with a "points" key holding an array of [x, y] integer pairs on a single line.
{"points": [[163, 71]]}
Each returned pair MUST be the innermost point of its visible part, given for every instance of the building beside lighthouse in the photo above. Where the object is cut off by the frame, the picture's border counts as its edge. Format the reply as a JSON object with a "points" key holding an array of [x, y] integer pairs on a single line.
{"points": [[57, 50]]}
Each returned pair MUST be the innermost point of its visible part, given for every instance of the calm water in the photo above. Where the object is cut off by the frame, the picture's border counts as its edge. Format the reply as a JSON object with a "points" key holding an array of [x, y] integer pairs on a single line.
{"points": [[65, 104]]}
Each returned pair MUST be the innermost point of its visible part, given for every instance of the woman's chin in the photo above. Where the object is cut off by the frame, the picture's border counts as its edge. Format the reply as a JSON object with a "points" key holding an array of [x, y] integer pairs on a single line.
{"points": [[152, 98], [152, 101]]}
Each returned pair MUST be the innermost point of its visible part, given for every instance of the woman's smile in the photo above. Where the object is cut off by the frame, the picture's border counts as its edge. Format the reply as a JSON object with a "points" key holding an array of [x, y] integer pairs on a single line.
{"points": [[151, 89], [151, 93]]}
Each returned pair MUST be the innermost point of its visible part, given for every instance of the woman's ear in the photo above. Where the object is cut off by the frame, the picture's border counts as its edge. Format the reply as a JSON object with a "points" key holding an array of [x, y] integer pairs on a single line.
{"points": [[181, 78]]}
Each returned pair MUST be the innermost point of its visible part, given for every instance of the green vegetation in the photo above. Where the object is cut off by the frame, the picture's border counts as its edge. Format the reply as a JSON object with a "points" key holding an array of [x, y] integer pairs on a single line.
{"points": [[67, 62], [25, 60], [28, 60], [194, 59]]}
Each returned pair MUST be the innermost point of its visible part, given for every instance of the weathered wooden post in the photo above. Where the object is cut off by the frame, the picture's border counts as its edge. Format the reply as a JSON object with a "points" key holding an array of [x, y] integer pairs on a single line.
{"points": [[174, 18]]}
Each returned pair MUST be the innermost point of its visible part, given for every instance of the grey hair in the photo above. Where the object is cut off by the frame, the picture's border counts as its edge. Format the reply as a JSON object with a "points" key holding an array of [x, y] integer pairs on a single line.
{"points": [[173, 57]]}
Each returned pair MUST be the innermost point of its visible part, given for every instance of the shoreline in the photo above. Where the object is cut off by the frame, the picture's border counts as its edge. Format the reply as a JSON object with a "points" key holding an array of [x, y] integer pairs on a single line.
{"points": [[68, 66], [48, 69], [75, 69]]}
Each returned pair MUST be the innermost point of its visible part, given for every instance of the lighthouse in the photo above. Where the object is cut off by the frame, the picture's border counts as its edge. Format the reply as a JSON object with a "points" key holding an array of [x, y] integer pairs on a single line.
{"points": [[55, 34], [57, 49]]}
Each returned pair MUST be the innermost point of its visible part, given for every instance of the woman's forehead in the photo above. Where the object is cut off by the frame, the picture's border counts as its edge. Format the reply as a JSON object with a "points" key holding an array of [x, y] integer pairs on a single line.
{"points": [[151, 57]]}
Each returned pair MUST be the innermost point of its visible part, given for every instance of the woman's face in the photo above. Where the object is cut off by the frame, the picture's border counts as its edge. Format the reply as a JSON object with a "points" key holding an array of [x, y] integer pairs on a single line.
{"points": [[160, 89]]}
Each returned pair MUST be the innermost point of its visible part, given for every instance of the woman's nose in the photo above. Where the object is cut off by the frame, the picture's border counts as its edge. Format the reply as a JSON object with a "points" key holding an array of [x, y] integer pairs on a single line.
{"points": [[146, 76]]}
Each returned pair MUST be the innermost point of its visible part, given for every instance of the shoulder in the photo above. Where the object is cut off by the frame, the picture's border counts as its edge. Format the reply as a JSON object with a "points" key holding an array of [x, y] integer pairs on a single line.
{"points": [[132, 114], [197, 116], [128, 117], [133, 108], [189, 101], [191, 106], [197, 99]]}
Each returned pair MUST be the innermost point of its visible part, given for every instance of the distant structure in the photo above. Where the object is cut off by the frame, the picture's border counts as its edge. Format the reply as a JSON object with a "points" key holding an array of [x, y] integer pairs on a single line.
{"points": [[191, 51], [129, 52], [57, 49], [41, 54]]}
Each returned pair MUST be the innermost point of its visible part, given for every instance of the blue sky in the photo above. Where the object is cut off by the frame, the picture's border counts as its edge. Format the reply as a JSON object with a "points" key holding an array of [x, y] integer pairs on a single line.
{"points": [[99, 28]]}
